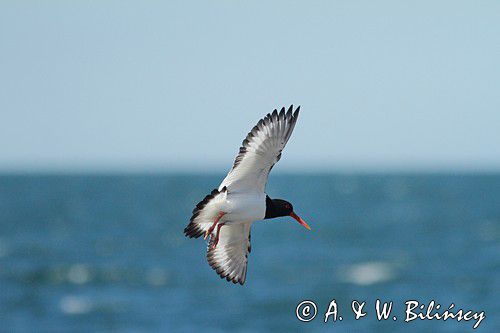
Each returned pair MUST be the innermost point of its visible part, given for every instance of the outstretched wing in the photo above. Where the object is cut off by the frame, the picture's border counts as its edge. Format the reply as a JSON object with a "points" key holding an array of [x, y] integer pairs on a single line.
{"points": [[230, 257], [260, 151]]}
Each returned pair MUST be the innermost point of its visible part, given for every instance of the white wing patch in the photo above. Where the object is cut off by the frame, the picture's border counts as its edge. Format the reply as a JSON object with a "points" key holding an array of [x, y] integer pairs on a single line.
{"points": [[260, 151], [230, 257]]}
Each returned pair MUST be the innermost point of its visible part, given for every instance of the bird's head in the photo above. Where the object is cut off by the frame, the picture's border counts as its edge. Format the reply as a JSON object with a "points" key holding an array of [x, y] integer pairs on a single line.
{"points": [[279, 207]]}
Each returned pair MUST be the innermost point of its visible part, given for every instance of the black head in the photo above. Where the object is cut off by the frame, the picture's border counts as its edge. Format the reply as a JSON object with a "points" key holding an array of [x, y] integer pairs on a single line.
{"points": [[279, 207]]}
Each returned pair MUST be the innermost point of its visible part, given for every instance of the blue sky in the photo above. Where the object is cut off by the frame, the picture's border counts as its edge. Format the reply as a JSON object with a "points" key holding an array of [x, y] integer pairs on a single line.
{"points": [[131, 86]]}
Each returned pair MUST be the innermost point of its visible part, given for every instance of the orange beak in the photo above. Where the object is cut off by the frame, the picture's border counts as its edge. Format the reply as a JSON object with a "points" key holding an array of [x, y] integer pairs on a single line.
{"points": [[301, 221]]}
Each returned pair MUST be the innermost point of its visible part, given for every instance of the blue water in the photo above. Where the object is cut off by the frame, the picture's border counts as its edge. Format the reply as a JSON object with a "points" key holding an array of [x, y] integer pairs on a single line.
{"points": [[107, 253]]}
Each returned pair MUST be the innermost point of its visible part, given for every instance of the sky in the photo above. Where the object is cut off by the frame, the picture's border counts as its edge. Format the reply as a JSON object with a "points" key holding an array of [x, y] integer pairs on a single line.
{"points": [[91, 86]]}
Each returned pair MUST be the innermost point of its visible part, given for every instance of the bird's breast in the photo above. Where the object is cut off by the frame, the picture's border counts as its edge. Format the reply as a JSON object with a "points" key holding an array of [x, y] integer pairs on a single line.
{"points": [[245, 207]]}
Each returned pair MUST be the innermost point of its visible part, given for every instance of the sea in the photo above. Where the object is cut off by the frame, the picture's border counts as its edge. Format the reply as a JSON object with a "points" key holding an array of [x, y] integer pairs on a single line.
{"points": [[106, 253]]}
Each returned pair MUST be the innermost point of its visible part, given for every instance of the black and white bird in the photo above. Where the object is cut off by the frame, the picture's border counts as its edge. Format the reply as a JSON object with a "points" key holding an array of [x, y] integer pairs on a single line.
{"points": [[226, 215]]}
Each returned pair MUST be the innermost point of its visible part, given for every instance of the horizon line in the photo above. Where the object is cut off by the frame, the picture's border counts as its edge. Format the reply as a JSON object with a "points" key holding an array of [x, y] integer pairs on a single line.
{"points": [[213, 172]]}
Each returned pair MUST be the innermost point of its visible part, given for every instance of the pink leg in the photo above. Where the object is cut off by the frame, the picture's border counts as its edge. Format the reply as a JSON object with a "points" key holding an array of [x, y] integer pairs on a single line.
{"points": [[216, 241], [217, 219]]}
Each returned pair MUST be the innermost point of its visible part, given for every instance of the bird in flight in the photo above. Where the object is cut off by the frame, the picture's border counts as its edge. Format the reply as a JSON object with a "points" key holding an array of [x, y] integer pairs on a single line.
{"points": [[226, 215]]}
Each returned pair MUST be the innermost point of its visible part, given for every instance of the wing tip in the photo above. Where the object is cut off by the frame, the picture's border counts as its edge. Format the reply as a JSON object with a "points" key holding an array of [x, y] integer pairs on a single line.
{"points": [[296, 113], [293, 115], [193, 229], [289, 118], [237, 279]]}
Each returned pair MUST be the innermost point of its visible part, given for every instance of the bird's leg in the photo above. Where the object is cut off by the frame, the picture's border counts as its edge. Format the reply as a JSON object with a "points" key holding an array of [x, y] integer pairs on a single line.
{"points": [[217, 219], [216, 240]]}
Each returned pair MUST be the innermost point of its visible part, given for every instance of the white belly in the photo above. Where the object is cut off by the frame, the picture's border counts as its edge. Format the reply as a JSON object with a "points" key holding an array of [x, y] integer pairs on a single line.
{"points": [[245, 207]]}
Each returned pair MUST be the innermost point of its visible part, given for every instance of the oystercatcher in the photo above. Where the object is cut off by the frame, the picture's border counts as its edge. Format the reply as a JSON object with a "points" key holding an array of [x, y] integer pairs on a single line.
{"points": [[226, 215]]}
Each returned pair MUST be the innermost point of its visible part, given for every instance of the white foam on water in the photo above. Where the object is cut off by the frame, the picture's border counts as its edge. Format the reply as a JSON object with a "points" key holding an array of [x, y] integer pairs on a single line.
{"points": [[75, 305], [369, 273]]}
